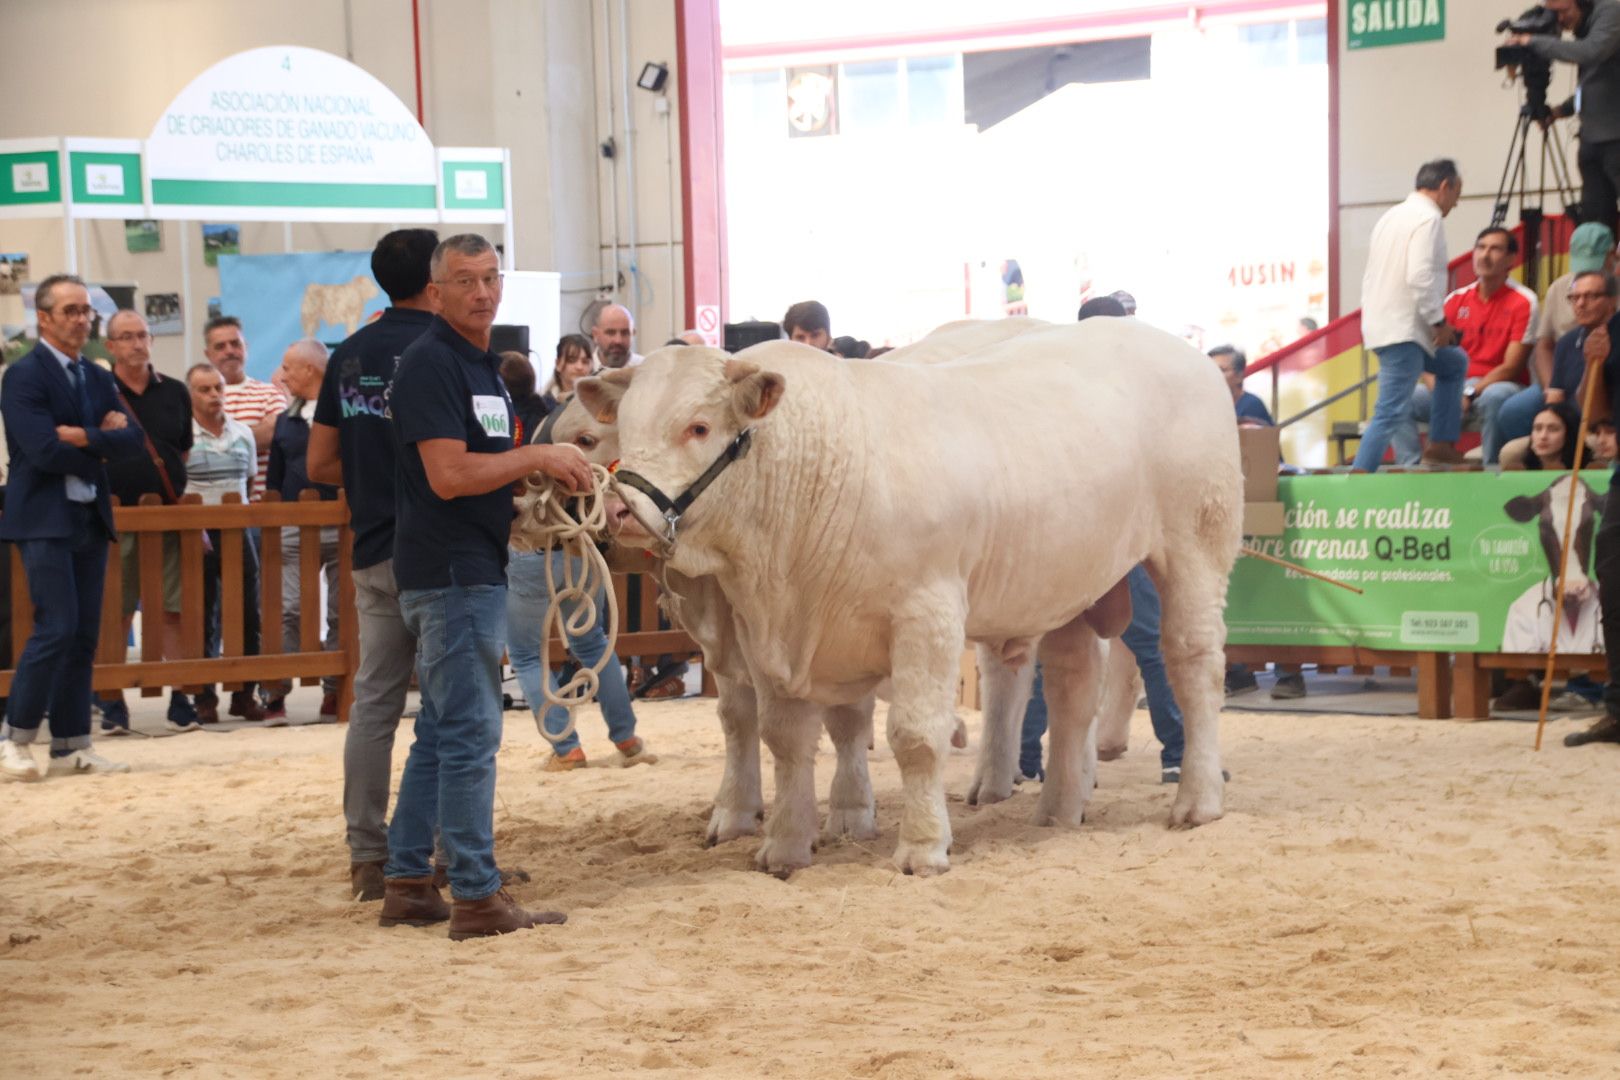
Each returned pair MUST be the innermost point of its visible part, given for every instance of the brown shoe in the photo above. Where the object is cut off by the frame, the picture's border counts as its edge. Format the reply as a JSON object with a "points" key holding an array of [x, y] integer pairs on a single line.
{"points": [[243, 705], [1441, 453], [412, 902], [1605, 728], [366, 880], [497, 914], [670, 686], [207, 709]]}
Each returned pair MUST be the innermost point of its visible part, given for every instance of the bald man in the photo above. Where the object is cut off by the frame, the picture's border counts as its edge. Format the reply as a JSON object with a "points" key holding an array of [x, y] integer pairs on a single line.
{"points": [[303, 367], [614, 334]]}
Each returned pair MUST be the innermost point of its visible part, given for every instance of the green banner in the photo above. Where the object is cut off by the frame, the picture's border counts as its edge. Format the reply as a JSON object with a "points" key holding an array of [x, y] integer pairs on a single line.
{"points": [[30, 177], [1375, 23], [1447, 562]]}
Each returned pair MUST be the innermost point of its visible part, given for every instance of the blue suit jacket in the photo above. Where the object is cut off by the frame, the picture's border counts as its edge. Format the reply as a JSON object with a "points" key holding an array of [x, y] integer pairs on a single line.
{"points": [[36, 396]]}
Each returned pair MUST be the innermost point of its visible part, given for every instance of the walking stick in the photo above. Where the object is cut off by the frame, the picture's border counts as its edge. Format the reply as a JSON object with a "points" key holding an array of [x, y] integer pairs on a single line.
{"points": [[1563, 558], [1298, 569]]}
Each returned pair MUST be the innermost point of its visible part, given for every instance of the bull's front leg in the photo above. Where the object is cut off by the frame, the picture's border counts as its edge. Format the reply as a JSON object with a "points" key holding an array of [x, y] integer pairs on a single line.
{"points": [[1005, 692], [792, 730], [924, 654], [740, 802], [851, 809]]}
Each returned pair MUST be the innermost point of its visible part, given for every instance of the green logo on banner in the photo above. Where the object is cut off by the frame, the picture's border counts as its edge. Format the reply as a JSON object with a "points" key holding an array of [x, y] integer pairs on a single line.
{"points": [[1374, 23]]}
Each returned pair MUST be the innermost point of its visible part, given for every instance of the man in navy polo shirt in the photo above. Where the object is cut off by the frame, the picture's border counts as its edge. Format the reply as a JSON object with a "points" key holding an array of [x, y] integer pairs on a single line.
{"points": [[453, 494]]}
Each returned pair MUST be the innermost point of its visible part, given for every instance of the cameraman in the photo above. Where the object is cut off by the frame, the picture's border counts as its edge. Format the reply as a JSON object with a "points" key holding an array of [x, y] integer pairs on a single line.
{"points": [[1596, 52]]}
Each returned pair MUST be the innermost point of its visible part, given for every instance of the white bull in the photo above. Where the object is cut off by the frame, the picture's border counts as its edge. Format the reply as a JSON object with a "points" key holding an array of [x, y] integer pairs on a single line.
{"points": [[876, 522], [701, 608]]}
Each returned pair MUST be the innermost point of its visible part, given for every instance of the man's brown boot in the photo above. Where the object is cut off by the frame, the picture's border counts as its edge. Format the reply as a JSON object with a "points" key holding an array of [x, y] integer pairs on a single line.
{"points": [[496, 914], [412, 902], [366, 880], [1443, 453]]}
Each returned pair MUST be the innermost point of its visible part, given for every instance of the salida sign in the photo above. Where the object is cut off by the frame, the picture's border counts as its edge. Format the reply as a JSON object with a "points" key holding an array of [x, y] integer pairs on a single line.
{"points": [[1374, 23]]}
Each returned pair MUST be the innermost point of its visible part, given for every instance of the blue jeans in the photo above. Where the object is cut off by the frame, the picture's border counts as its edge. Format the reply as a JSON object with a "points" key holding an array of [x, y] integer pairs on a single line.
{"points": [[1518, 415], [527, 605], [449, 779], [1398, 369], [65, 577], [1487, 408], [1142, 638]]}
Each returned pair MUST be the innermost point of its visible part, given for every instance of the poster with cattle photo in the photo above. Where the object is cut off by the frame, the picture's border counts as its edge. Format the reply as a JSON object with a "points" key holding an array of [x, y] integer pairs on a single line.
{"points": [[1455, 562], [282, 298]]}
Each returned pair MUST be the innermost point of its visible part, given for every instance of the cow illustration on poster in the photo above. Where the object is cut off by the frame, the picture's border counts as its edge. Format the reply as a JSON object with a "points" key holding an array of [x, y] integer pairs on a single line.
{"points": [[1530, 617], [337, 305]]}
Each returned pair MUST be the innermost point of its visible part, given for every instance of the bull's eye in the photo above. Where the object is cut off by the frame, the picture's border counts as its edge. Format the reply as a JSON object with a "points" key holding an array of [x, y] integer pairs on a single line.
{"points": [[698, 430], [585, 442]]}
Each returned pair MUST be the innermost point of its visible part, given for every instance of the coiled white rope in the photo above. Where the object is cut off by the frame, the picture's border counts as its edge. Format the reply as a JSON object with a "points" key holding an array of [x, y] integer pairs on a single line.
{"points": [[549, 519]]}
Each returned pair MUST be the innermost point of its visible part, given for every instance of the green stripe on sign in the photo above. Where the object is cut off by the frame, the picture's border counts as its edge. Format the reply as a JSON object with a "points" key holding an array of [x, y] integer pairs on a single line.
{"points": [[23, 170], [273, 193]]}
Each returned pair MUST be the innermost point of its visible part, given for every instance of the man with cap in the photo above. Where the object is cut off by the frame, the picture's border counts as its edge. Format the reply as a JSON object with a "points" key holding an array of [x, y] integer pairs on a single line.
{"points": [[1591, 250]]}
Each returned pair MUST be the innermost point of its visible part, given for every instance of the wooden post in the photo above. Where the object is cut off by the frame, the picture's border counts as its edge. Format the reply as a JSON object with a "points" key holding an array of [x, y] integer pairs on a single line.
{"points": [[1434, 685], [310, 611], [192, 619], [112, 645], [149, 561], [230, 590], [348, 614], [1471, 688]]}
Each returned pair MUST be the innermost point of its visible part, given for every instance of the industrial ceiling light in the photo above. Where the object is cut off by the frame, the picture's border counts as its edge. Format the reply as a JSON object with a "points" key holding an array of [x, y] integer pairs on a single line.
{"points": [[653, 76]]}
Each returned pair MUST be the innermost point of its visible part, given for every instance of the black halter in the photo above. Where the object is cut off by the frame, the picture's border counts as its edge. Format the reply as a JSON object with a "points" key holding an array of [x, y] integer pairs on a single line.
{"points": [[544, 434], [674, 508]]}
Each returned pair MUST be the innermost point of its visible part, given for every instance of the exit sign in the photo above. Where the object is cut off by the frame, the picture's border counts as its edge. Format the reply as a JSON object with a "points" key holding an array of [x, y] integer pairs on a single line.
{"points": [[1375, 23]]}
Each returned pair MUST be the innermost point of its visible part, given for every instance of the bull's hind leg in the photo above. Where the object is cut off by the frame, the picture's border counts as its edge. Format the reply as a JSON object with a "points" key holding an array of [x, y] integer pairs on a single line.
{"points": [[1121, 686], [1072, 667], [740, 803], [851, 810], [1005, 694], [924, 652], [1191, 580], [792, 730]]}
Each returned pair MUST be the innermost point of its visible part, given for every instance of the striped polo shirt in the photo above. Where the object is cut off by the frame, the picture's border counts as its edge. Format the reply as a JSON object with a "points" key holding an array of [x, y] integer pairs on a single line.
{"points": [[250, 401]]}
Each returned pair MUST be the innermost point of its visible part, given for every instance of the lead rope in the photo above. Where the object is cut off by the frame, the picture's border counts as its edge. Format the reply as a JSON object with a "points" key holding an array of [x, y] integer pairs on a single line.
{"points": [[547, 520]]}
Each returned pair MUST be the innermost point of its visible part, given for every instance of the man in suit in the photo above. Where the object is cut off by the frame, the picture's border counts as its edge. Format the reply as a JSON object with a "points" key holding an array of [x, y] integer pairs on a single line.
{"points": [[63, 422]]}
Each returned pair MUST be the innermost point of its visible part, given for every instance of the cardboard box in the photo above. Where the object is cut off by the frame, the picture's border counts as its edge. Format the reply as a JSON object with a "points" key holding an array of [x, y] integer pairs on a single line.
{"points": [[1262, 519], [1261, 450]]}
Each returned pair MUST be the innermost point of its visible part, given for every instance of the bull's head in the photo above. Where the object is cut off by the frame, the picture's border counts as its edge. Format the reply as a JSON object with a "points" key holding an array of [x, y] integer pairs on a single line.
{"points": [[679, 416], [1551, 507]]}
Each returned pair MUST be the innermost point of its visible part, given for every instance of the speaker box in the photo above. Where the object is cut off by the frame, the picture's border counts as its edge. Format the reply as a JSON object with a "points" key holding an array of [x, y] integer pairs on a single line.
{"points": [[508, 338], [743, 334]]}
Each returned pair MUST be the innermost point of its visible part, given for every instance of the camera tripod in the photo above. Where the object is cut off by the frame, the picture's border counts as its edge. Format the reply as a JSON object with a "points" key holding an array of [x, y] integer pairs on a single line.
{"points": [[1516, 180]]}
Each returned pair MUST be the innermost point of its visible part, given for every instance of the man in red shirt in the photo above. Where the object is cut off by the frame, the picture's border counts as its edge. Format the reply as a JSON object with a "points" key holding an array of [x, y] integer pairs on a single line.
{"points": [[1495, 321]]}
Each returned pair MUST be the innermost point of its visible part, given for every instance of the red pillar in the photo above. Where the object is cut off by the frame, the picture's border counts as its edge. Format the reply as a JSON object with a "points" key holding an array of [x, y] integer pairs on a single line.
{"points": [[703, 214]]}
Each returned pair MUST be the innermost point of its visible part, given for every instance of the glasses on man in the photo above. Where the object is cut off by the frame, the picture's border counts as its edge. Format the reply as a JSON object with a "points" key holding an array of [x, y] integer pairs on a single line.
{"points": [[468, 282], [132, 336]]}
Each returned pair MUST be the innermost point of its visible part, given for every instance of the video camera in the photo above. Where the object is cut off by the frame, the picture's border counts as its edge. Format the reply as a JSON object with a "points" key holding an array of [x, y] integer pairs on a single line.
{"points": [[1537, 72]]}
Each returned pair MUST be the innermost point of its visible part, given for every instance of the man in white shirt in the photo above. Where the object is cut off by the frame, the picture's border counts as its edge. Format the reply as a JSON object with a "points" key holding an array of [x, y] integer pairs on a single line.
{"points": [[1403, 294]]}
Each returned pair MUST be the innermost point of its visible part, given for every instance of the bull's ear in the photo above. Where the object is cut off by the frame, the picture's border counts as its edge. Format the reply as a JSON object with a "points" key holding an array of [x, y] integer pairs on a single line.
{"points": [[1522, 507], [754, 393], [600, 394]]}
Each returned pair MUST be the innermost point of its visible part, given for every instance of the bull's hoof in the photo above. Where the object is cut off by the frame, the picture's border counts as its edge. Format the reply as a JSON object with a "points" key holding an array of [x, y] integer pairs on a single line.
{"points": [[1048, 817], [1192, 809], [988, 792], [856, 822], [726, 825], [780, 858], [923, 860]]}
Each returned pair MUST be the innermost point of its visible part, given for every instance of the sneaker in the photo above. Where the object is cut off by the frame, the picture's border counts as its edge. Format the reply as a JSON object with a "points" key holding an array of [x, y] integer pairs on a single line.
{"points": [[114, 716], [182, 717], [1521, 695], [1569, 701], [664, 683], [574, 759], [17, 762], [1605, 729], [1289, 687], [272, 712], [85, 761], [635, 752], [329, 705], [206, 707]]}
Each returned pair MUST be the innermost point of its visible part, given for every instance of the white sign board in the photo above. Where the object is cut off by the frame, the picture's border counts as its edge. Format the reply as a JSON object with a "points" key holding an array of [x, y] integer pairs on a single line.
{"points": [[290, 126], [30, 176], [533, 298]]}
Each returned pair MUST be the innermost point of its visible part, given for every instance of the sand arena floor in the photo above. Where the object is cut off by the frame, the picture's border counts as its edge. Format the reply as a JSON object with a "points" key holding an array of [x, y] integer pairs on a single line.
{"points": [[1385, 897]]}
